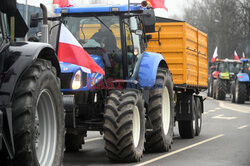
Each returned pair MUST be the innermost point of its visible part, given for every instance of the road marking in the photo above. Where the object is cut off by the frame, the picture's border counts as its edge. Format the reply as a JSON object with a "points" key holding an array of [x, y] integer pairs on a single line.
{"points": [[211, 111], [218, 108], [242, 127], [93, 139], [223, 117], [235, 107], [178, 151], [205, 113]]}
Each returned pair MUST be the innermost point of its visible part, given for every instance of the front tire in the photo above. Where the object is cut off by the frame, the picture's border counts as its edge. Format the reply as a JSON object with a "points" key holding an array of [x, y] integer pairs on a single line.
{"points": [[124, 126], [221, 89], [240, 92], [38, 117], [161, 114]]}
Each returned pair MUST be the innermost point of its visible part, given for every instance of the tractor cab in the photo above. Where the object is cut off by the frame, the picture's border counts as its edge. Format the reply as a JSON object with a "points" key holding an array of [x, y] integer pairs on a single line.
{"points": [[114, 33], [246, 66], [228, 68]]}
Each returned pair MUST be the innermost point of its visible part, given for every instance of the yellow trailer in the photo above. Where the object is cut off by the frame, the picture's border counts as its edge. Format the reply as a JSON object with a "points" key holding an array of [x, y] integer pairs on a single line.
{"points": [[184, 47]]}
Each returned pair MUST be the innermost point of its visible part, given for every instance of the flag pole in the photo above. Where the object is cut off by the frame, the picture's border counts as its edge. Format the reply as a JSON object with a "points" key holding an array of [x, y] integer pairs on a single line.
{"points": [[128, 6]]}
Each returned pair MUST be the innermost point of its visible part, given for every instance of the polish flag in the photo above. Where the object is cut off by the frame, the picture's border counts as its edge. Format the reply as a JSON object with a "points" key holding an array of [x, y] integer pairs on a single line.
{"points": [[236, 56], [157, 4], [215, 55], [71, 51], [63, 3], [243, 56]]}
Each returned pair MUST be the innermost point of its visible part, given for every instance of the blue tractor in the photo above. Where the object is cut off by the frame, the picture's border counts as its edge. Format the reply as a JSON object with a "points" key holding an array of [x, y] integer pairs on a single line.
{"points": [[241, 88], [134, 101]]}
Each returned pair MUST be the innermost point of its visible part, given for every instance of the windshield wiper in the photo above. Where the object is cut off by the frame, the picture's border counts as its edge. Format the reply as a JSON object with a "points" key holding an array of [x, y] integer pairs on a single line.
{"points": [[103, 23]]}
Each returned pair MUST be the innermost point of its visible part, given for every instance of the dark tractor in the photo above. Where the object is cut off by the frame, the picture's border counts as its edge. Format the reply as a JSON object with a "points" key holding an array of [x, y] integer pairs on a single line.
{"points": [[227, 70], [241, 84], [31, 108]]}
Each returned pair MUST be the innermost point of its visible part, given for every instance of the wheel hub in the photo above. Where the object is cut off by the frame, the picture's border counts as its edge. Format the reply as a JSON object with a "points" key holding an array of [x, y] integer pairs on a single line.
{"points": [[136, 126], [165, 111], [45, 129]]}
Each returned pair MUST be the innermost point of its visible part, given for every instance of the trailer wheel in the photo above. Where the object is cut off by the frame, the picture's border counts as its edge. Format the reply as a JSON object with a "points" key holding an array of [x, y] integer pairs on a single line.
{"points": [[124, 126], [221, 89], [198, 117], [187, 128], [73, 142], [233, 92], [38, 117], [161, 114], [240, 92]]}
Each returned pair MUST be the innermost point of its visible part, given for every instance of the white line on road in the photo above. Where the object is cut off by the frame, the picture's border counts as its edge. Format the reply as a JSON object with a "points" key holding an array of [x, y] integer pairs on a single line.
{"points": [[211, 111], [93, 139], [242, 127], [234, 107], [218, 108], [180, 150], [224, 117]]}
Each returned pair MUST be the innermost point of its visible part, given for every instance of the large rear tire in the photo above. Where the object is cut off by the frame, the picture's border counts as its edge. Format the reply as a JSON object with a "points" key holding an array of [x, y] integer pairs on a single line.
{"points": [[161, 114], [124, 126], [240, 92], [38, 117]]}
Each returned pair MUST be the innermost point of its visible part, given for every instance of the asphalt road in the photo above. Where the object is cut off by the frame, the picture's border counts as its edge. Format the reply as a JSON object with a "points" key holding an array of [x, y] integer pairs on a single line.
{"points": [[224, 141]]}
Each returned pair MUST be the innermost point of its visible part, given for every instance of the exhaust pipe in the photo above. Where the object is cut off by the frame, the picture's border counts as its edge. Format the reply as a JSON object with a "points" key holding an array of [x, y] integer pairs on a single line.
{"points": [[45, 27]]}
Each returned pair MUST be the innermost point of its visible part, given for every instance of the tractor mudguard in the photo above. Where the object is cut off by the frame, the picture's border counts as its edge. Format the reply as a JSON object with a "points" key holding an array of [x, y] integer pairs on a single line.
{"points": [[18, 57], [148, 68], [243, 77]]}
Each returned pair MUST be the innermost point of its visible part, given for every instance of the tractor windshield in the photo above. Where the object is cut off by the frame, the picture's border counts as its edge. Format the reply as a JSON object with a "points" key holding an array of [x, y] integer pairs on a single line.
{"points": [[99, 35], [229, 67]]}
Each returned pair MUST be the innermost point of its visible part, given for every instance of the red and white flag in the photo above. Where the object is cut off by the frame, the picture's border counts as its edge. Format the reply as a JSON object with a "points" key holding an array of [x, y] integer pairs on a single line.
{"points": [[71, 51], [63, 3], [236, 56], [215, 55], [157, 4], [243, 56]]}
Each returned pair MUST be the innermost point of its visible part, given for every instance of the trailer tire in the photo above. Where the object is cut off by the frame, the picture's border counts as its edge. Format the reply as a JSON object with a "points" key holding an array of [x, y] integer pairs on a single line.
{"points": [[38, 117], [124, 126], [187, 128], [221, 89], [161, 114], [198, 116], [240, 92], [73, 142]]}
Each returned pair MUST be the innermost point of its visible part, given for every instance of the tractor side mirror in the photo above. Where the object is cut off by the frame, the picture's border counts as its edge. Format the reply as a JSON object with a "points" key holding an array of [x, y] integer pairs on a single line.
{"points": [[34, 20], [148, 21]]}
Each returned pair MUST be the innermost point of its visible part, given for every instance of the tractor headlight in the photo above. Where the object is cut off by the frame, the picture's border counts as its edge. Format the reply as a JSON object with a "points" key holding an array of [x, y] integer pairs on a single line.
{"points": [[77, 80]]}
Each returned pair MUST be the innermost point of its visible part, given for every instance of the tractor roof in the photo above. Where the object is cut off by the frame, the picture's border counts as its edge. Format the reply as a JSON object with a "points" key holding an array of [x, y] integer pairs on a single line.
{"points": [[245, 60], [228, 60], [98, 9]]}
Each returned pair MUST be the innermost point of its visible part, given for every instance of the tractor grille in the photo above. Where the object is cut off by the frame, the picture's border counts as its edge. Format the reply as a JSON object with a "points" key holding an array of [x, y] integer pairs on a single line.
{"points": [[84, 79], [66, 80]]}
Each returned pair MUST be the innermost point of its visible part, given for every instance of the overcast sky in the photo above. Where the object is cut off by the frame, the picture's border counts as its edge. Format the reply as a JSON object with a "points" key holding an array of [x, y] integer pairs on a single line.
{"points": [[175, 7]]}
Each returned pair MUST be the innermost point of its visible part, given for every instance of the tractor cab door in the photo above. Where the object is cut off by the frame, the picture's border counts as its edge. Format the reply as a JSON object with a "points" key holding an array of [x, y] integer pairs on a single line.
{"points": [[134, 43]]}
